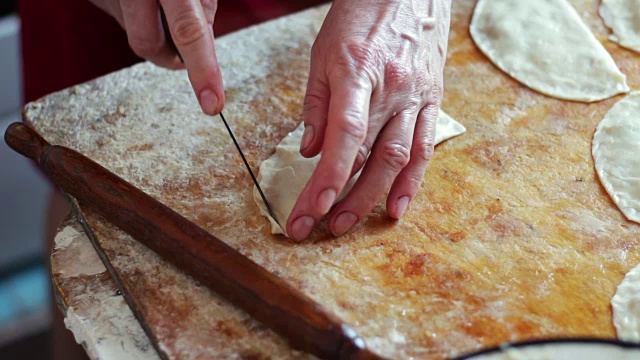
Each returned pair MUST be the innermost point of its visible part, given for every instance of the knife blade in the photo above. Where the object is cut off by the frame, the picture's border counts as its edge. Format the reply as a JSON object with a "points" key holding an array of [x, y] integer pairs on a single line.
{"points": [[169, 39]]}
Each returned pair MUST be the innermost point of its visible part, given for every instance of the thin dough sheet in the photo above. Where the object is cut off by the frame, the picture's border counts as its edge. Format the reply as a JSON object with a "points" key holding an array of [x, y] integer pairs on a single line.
{"points": [[546, 46], [626, 307], [623, 18], [616, 154]]}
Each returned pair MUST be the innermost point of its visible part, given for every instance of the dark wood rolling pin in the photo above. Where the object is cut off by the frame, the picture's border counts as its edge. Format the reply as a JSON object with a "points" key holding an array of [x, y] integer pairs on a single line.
{"points": [[233, 276]]}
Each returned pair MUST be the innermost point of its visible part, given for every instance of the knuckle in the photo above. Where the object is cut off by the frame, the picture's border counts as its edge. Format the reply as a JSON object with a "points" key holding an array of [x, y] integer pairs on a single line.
{"points": [[363, 152], [358, 52], [188, 29], [126, 6], [361, 157], [359, 56], [395, 155], [437, 92], [414, 179], [313, 101], [210, 6], [353, 126], [412, 101], [144, 47], [422, 79], [316, 50], [423, 150], [396, 74]]}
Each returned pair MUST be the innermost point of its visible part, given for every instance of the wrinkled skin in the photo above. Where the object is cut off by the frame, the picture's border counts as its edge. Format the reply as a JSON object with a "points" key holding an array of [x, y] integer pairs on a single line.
{"points": [[191, 26], [372, 99], [375, 86]]}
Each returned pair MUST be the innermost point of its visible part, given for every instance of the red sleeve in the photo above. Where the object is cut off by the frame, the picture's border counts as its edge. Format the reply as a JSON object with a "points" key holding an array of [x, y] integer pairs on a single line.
{"points": [[66, 42]]}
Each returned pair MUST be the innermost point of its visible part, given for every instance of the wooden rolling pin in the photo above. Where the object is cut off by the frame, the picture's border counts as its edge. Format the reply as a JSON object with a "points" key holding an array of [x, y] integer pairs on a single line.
{"points": [[233, 276]]}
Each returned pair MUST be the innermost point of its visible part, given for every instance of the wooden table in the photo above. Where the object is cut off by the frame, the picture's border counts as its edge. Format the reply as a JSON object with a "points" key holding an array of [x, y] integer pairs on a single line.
{"points": [[511, 238], [94, 308]]}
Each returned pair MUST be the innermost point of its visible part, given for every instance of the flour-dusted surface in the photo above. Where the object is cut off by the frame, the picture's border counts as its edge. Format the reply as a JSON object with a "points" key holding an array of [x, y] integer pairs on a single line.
{"points": [[510, 224], [545, 45], [95, 311]]}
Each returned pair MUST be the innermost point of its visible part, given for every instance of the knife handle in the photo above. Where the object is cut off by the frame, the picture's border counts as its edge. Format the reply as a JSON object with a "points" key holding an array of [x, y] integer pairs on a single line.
{"points": [[190, 248]]}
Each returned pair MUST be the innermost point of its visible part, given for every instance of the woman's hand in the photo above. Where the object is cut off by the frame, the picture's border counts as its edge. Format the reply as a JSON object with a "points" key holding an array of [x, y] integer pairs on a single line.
{"points": [[191, 26], [374, 91]]}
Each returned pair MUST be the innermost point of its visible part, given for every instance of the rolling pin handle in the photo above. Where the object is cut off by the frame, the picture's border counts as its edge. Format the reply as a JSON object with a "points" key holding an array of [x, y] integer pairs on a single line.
{"points": [[23, 139]]}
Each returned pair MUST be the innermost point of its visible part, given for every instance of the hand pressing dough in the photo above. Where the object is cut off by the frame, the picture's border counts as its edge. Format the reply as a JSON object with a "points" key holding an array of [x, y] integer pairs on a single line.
{"points": [[616, 149], [283, 176], [545, 45], [623, 18], [626, 307]]}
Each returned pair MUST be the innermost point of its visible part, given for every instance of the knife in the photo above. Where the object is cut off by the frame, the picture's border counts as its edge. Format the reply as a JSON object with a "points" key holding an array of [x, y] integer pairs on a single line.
{"points": [[169, 39]]}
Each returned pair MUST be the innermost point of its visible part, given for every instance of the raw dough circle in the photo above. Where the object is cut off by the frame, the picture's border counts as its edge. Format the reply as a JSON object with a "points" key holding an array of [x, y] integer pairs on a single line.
{"points": [[623, 18], [626, 307], [616, 154], [546, 46]]}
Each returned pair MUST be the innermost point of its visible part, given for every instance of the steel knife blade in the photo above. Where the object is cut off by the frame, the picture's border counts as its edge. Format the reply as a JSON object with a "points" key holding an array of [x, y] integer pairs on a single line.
{"points": [[169, 39]]}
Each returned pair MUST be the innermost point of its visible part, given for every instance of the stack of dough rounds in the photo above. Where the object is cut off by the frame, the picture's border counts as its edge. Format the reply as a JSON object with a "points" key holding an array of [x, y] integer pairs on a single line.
{"points": [[283, 176], [545, 45], [623, 17]]}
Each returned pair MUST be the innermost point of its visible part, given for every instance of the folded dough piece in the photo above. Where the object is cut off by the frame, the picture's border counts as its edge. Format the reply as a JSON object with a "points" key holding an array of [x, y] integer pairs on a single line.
{"points": [[283, 176], [545, 45], [623, 18], [616, 149]]}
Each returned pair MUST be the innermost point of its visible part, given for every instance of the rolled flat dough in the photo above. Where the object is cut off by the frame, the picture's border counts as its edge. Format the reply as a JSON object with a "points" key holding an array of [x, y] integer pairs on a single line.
{"points": [[616, 149], [623, 18], [545, 45], [626, 307], [283, 176]]}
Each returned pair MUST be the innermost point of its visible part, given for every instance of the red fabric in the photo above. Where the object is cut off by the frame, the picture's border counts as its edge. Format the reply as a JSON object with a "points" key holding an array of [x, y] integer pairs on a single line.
{"points": [[65, 42]]}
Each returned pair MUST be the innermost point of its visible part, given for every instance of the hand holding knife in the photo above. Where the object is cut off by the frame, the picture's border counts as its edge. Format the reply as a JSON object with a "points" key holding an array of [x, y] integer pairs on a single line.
{"points": [[169, 39]]}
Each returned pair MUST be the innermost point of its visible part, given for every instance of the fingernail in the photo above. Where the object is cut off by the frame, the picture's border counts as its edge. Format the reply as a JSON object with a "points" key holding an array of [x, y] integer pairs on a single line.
{"points": [[309, 132], [401, 206], [344, 222], [208, 102], [302, 227], [325, 200]]}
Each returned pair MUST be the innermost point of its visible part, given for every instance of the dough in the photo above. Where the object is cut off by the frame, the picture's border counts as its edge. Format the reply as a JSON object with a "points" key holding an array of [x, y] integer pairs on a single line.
{"points": [[616, 149], [623, 17], [626, 307], [545, 45], [283, 176]]}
